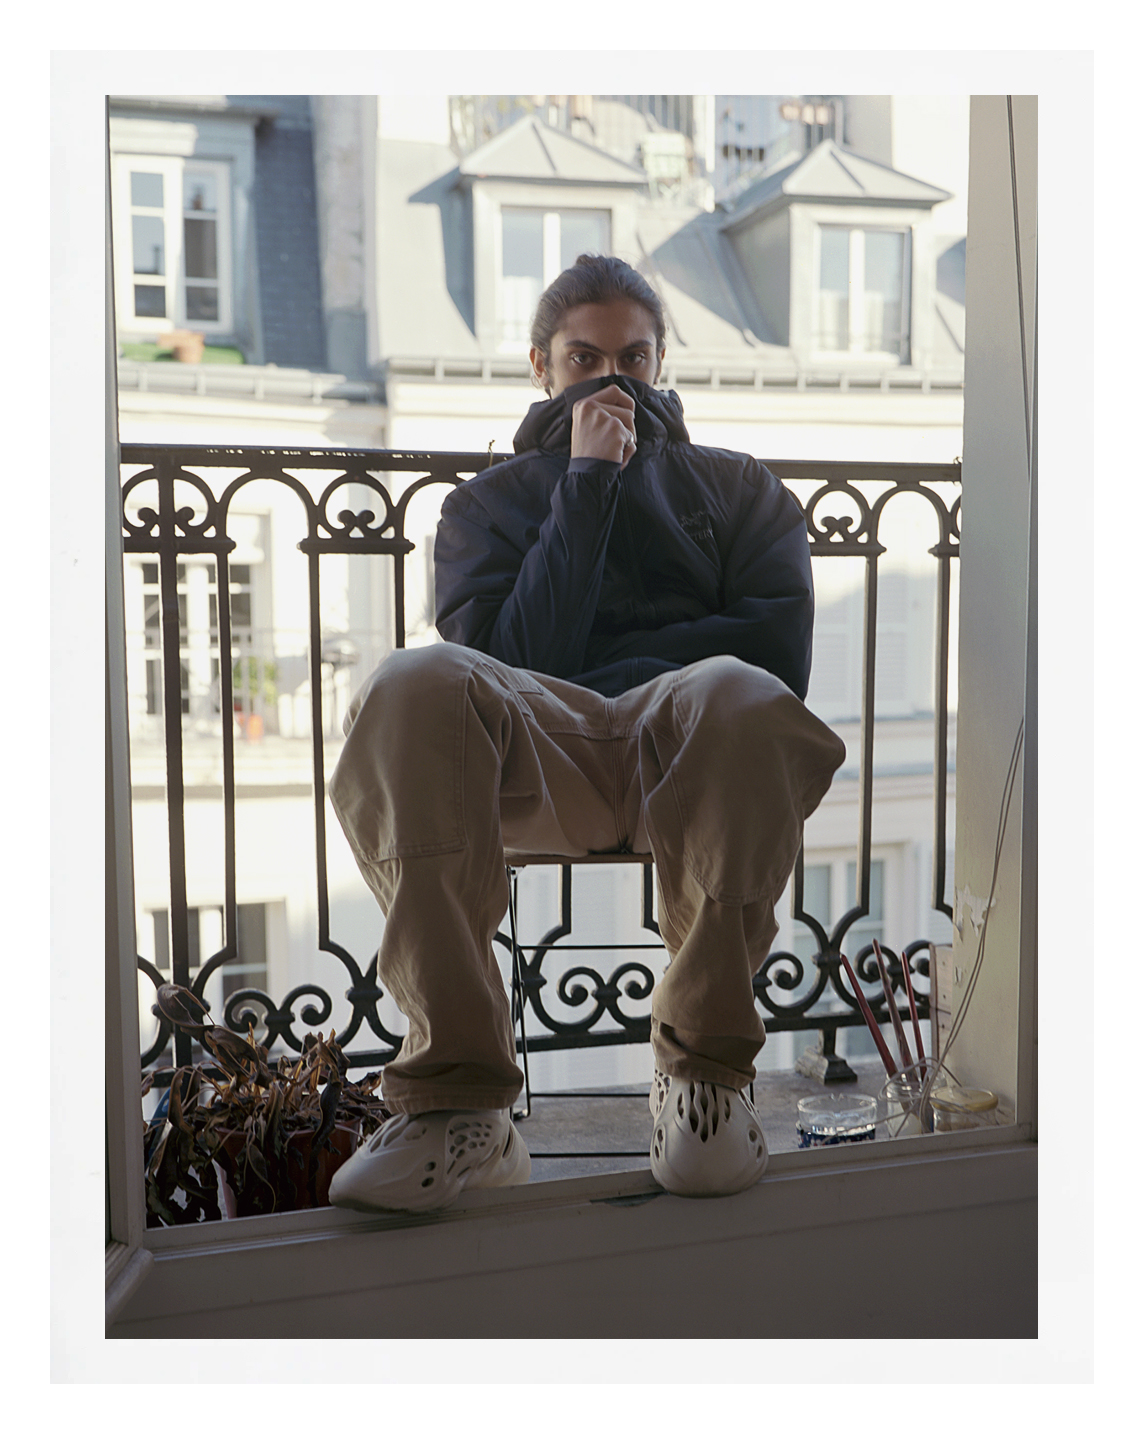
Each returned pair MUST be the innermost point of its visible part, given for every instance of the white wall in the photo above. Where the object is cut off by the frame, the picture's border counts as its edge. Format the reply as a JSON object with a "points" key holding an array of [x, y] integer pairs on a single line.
{"points": [[996, 601]]}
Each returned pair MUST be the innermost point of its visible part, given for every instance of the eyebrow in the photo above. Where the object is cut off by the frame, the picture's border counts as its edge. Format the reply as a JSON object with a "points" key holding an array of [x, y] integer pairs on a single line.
{"points": [[584, 344]]}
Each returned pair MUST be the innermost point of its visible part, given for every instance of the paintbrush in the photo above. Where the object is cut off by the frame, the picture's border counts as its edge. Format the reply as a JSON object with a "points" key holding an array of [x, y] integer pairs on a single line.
{"points": [[899, 1032], [864, 1006]]}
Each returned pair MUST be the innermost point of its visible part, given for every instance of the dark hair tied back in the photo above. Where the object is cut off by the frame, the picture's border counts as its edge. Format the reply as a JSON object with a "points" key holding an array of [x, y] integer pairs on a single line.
{"points": [[593, 279]]}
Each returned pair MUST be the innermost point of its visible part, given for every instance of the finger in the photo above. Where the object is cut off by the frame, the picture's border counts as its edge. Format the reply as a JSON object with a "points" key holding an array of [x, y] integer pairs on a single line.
{"points": [[619, 414], [603, 430], [612, 399], [609, 400], [615, 395], [610, 425], [624, 412]]}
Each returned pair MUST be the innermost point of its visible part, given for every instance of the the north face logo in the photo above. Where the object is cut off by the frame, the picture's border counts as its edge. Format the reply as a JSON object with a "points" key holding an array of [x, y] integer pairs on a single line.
{"points": [[696, 525]]}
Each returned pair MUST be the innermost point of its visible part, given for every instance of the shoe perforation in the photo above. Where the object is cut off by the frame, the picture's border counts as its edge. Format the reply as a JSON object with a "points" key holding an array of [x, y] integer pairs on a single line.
{"points": [[702, 1142]]}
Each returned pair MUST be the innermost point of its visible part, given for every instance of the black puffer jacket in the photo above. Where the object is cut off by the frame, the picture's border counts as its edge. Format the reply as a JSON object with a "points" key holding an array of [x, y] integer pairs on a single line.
{"points": [[571, 568]]}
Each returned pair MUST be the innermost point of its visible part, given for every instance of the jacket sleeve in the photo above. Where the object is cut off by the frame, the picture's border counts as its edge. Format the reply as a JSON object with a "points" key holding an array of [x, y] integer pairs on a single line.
{"points": [[768, 614], [530, 606]]}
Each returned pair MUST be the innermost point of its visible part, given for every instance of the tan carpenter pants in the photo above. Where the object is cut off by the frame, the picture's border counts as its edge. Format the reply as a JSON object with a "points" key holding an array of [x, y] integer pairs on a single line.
{"points": [[452, 758]]}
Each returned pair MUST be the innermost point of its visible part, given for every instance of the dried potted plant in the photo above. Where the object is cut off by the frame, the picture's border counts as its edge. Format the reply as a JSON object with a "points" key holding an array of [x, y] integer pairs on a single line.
{"points": [[250, 1138]]}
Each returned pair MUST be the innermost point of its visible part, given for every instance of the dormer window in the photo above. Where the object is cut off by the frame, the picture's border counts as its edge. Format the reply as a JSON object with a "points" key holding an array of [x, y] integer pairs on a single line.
{"points": [[536, 246], [173, 244], [826, 246], [863, 294], [539, 199]]}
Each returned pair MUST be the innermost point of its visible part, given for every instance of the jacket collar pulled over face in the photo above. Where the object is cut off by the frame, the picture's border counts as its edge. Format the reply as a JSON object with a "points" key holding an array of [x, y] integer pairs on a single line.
{"points": [[548, 424]]}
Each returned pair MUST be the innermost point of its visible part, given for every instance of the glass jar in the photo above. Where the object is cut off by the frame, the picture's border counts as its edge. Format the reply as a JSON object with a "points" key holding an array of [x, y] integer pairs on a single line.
{"points": [[903, 1096], [836, 1119], [958, 1108]]}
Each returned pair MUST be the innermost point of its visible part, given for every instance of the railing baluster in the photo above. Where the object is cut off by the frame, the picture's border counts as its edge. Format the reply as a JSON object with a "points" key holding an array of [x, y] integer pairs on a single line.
{"points": [[226, 701], [941, 738], [317, 746], [173, 728], [866, 759]]}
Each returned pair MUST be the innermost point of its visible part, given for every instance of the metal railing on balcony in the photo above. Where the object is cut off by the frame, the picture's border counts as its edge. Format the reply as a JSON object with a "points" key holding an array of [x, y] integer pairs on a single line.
{"points": [[178, 503]]}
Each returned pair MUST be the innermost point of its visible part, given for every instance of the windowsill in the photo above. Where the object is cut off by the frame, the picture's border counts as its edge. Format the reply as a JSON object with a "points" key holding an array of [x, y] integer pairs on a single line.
{"points": [[604, 1257], [559, 1198], [587, 1178]]}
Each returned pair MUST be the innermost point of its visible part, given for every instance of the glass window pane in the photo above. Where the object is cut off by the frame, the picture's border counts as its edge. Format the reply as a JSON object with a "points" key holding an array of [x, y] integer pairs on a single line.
{"points": [[200, 236], [834, 290], [199, 193], [816, 903], [869, 927], [816, 892], [146, 190], [583, 231], [239, 609], [523, 243], [150, 301], [877, 873], [833, 322], [202, 303], [522, 280], [148, 244], [834, 265], [884, 263], [883, 297]]}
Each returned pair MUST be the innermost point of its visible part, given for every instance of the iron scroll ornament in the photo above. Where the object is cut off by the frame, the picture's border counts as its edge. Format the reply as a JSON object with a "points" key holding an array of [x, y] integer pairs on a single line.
{"points": [[586, 1004]]}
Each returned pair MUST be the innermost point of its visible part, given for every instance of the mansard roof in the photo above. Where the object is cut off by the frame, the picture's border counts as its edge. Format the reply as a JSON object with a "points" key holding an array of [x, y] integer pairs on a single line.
{"points": [[830, 174], [532, 151]]}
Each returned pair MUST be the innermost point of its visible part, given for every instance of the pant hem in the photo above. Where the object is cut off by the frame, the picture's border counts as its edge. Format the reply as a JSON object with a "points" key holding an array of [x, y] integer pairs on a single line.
{"points": [[449, 1098], [704, 1071]]}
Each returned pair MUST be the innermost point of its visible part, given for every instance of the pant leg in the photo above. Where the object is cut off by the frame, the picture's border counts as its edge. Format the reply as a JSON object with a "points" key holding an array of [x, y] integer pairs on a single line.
{"points": [[448, 754], [730, 764]]}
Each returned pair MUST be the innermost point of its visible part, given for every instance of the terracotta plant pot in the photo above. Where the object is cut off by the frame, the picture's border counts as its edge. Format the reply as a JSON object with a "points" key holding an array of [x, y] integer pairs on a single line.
{"points": [[298, 1195], [185, 345]]}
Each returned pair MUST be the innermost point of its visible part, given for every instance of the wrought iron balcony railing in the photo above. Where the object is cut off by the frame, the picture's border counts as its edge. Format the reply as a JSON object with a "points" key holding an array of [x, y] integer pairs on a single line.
{"points": [[179, 504]]}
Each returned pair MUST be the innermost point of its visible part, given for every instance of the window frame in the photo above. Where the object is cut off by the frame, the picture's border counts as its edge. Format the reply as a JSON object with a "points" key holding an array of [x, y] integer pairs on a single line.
{"points": [[199, 640], [551, 220], [855, 351], [129, 1253], [174, 169]]}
